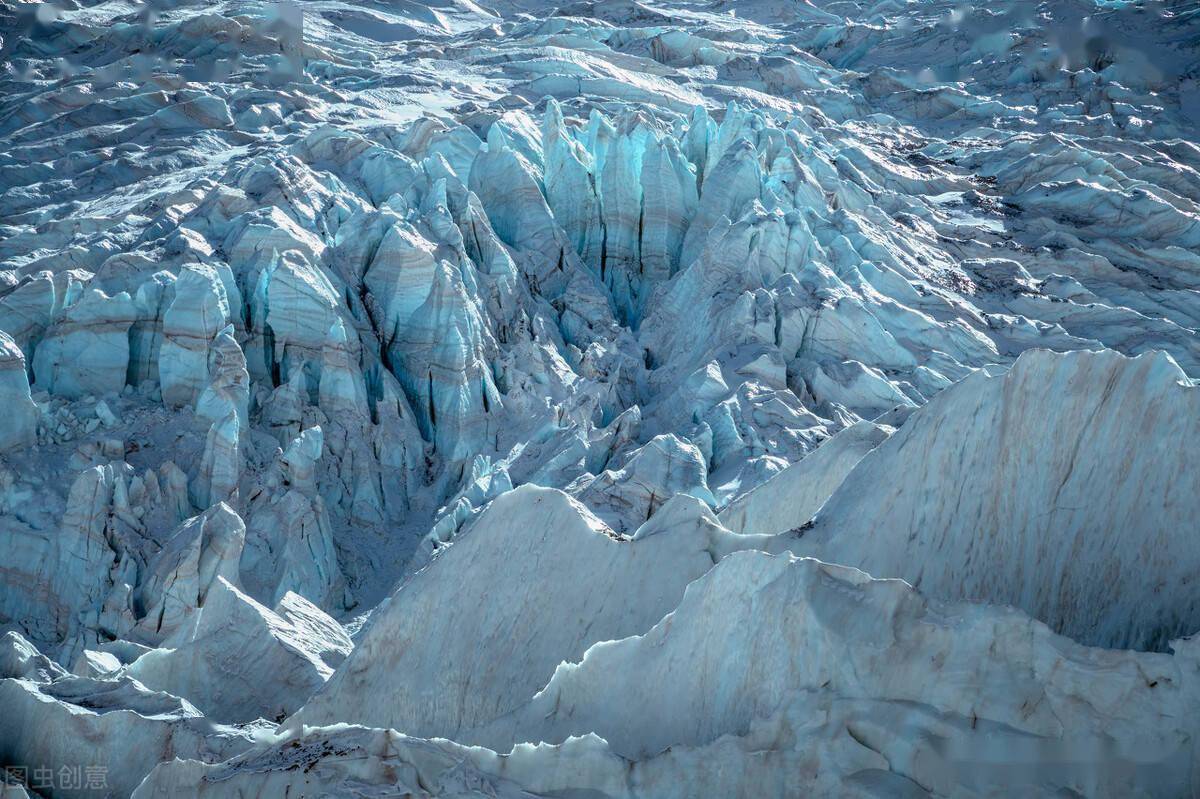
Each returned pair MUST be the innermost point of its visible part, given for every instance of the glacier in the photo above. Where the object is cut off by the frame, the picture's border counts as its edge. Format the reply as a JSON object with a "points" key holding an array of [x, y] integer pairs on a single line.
{"points": [[636, 398]]}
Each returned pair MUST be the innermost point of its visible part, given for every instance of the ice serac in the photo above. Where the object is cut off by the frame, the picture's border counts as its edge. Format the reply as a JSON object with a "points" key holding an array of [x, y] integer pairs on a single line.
{"points": [[228, 389], [506, 184], [64, 572], [27, 309], [791, 497], [444, 369], [373, 463], [570, 184], [279, 656], [198, 312], [78, 575], [301, 304], [663, 468], [669, 200], [289, 540], [117, 726], [178, 579], [86, 349], [534, 580], [624, 194], [1072, 497], [217, 474], [19, 425], [342, 392], [734, 183]]}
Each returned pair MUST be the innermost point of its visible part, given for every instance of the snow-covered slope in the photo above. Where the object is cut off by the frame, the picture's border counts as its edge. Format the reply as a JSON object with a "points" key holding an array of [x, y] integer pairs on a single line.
{"points": [[533, 582], [1073, 497], [363, 363]]}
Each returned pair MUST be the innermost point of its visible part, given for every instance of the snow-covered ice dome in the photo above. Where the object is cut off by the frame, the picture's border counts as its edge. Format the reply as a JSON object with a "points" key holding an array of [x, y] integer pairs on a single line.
{"points": [[619, 398]]}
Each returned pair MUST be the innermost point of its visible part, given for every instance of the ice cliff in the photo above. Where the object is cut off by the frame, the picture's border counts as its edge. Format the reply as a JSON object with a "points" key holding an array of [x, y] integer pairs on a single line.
{"points": [[617, 399]]}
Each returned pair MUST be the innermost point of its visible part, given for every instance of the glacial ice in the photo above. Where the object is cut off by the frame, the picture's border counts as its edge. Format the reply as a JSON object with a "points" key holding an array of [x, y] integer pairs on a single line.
{"points": [[791, 497], [637, 398], [1029, 448], [20, 429], [533, 581], [280, 657]]}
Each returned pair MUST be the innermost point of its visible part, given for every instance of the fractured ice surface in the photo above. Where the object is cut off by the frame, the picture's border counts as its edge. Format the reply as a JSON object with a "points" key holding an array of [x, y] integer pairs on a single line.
{"points": [[791, 497], [777, 674], [490, 376], [279, 657]]}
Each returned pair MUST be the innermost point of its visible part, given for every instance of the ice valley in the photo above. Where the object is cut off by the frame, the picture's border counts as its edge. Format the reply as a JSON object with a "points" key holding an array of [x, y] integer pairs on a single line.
{"points": [[612, 399]]}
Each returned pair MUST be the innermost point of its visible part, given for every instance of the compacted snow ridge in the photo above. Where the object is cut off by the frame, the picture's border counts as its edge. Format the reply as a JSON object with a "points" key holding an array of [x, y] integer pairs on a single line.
{"points": [[622, 398]]}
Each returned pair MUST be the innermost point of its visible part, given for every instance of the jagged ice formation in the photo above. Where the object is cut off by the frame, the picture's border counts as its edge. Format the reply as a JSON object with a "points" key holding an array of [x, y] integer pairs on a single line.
{"points": [[621, 399]]}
